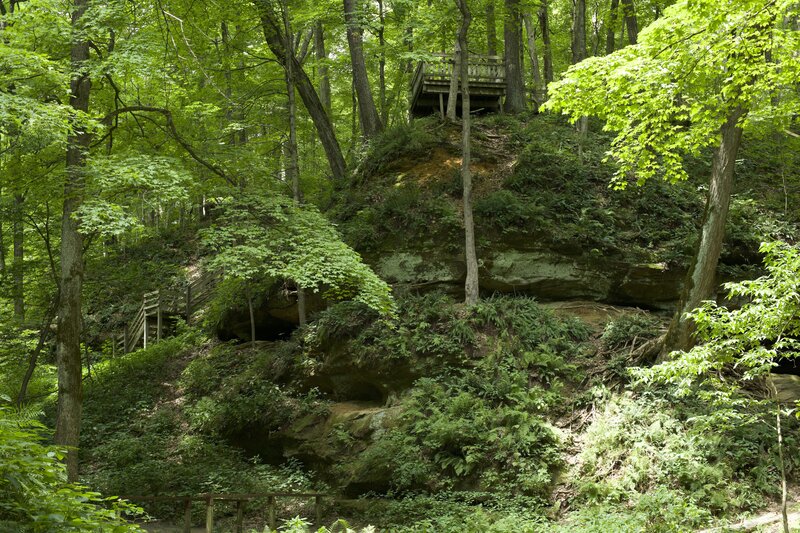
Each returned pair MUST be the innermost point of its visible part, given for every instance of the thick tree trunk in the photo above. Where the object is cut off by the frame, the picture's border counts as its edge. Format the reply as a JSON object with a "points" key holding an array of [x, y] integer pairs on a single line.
{"points": [[273, 34], [530, 32], [68, 335], [370, 121], [491, 29], [631, 24], [322, 67], [547, 50], [512, 35], [578, 31], [700, 280], [18, 268], [292, 164], [613, 12]]}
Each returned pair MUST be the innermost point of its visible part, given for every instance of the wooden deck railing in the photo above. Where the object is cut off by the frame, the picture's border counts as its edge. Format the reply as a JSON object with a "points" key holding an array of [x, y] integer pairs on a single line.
{"points": [[239, 499], [157, 305]]}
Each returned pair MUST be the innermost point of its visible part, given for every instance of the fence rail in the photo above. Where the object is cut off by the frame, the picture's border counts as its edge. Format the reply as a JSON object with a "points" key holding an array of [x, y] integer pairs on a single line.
{"points": [[239, 499]]}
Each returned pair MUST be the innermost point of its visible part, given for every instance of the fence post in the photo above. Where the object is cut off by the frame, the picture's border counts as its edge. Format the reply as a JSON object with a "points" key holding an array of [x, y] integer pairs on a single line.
{"points": [[158, 319], [125, 339], [271, 513], [318, 510], [188, 301], [210, 515], [187, 515], [239, 516]]}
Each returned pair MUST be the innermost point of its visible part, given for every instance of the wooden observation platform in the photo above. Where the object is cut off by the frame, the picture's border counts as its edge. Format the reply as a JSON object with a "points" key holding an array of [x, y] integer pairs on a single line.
{"points": [[430, 85]]}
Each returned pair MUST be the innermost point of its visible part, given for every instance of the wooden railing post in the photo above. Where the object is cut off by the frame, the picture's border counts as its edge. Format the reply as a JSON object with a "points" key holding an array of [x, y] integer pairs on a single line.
{"points": [[239, 515], [158, 319], [188, 301], [210, 515], [271, 513], [187, 515], [125, 339], [318, 510]]}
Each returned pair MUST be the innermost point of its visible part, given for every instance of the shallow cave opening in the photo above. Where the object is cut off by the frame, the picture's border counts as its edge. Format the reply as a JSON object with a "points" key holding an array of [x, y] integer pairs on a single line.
{"points": [[786, 365], [346, 389]]}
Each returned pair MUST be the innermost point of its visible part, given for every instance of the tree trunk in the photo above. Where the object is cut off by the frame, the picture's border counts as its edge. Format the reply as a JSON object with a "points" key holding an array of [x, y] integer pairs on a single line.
{"points": [[68, 335], [273, 34], [700, 279], [631, 23], [370, 121], [491, 29], [292, 166], [252, 318], [452, 94], [512, 34], [18, 268], [578, 31], [530, 31], [471, 285], [322, 67], [547, 50], [382, 62], [2, 240], [611, 43]]}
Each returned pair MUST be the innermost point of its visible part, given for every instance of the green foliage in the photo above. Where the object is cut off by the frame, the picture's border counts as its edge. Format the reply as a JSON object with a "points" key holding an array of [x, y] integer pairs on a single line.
{"points": [[636, 445], [750, 339], [413, 139], [480, 421], [145, 435], [34, 494], [694, 67], [271, 237]]}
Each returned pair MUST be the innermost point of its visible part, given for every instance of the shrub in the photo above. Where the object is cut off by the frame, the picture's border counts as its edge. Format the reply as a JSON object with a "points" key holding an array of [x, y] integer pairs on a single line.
{"points": [[34, 494]]}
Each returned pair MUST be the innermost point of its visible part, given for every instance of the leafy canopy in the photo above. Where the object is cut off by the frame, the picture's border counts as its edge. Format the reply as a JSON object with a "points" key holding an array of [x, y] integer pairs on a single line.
{"points": [[699, 64], [258, 237]]}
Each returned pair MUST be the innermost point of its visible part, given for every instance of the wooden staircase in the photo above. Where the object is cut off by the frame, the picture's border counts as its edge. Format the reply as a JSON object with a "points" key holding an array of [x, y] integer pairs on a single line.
{"points": [[162, 306]]}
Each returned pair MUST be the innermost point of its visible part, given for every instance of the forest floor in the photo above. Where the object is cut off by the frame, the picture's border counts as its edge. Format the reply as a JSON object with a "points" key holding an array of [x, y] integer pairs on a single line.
{"points": [[769, 521]]}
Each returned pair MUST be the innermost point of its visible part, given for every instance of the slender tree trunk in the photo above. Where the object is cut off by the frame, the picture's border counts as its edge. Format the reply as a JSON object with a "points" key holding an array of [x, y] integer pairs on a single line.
{"points": [[322, 67], [579, 52], [292, 166], [382, 62], [18, 267], [252, 312], [452, 95], [631, 24], [613, 12], [471, 285], [530, 32], [512, 33], [701, 278], [491, 29], [547, 50], [2, 240], [273, 34], [370, 121], [68, 336]]}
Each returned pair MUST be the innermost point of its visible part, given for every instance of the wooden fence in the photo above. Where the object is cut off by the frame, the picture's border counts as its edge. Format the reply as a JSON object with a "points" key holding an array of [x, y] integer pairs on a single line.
{"points": [[239, 499], [147, 325]]}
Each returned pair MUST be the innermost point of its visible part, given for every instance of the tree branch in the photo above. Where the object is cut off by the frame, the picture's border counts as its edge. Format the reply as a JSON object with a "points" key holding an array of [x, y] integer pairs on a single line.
{"points": [[173, 131]]}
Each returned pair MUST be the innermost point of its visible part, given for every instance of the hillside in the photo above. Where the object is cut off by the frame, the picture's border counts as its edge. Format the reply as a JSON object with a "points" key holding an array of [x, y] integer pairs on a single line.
{"points": [[516, 415]]}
